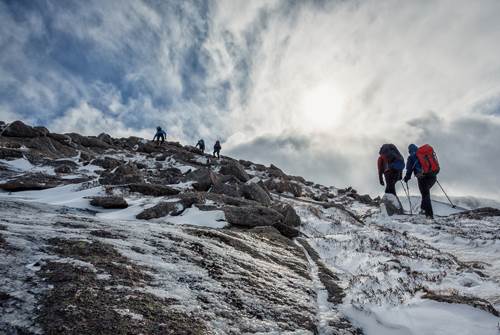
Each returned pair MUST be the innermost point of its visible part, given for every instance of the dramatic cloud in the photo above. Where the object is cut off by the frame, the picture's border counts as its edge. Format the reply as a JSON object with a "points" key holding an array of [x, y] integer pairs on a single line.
{"points": [[313, 86]]}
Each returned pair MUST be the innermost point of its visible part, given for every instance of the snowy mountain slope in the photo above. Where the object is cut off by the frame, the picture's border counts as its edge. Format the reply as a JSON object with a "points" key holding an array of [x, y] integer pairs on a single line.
{"points": [[208, 246]]}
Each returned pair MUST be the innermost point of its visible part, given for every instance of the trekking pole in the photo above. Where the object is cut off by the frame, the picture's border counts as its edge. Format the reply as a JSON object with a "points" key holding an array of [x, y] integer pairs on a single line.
{"points": [[407, 192], [447, 197]]}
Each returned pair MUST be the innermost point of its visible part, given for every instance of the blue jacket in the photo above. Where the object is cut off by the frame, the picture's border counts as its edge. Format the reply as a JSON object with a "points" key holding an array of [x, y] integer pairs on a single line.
{"points": [[160, 133], [412, 163]]}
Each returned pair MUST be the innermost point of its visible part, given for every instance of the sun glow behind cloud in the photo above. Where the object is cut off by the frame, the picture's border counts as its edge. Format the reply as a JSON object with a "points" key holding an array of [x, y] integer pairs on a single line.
{"points": [[321, 108]]}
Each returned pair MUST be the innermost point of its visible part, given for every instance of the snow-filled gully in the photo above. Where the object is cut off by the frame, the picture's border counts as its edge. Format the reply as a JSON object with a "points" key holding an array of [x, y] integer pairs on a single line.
{"points": [[324, 314]]}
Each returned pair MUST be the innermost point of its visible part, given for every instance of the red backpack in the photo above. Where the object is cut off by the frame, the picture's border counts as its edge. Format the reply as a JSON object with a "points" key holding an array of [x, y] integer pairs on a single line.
{"points": [[428, 160]]}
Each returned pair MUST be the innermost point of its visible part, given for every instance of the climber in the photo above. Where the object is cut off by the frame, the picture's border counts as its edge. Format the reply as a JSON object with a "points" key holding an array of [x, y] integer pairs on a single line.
{"points": [[390, 165], [217, 148], [201, 145], [424, 164], [160, 135]]}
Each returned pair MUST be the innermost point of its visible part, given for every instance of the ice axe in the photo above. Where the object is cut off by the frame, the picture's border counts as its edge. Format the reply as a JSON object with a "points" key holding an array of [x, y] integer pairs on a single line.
{"points": [[447, 197], [407, 191]]}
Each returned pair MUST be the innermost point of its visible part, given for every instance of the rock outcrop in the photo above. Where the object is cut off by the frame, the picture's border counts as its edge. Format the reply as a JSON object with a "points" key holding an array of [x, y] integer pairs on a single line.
{"points": [[109, 202], [124, 174], [235, 169], [252, 216], [153, 190]]}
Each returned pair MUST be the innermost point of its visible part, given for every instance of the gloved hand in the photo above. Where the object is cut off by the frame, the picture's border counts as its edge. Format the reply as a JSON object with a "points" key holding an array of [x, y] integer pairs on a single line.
{"points": [[382, 182], [406, 179]]}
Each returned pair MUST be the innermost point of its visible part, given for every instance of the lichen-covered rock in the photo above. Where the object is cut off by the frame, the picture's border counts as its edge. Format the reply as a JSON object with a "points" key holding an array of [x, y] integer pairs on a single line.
{"points": [[109, 202]]}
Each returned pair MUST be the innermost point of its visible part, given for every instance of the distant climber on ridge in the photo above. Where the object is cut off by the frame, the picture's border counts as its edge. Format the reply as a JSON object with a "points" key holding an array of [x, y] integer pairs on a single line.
{"points": [[217, 148], [160, 135], [201, 145], [424, 164]]}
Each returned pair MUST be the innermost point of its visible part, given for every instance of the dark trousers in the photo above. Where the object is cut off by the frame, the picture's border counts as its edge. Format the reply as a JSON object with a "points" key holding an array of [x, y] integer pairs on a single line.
{"points": [[391, 178], [217, 151], [160, 138], [424, 185]]}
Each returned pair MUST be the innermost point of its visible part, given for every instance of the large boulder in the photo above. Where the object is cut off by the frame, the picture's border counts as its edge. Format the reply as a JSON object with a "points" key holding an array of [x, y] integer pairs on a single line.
{"points": [[392, 204], [291, 218], [235, 169], [124, 174], [105, 138], [252, 216], [276, 172], [166, 176], [19, 129], [253, 191], [203, 179], [162, 209], [154, 190], [229, 189], [109, 202]]}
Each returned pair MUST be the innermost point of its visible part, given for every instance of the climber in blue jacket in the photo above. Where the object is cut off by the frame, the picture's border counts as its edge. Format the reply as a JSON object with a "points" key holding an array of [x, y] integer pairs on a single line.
{"points": [[160, 135]]}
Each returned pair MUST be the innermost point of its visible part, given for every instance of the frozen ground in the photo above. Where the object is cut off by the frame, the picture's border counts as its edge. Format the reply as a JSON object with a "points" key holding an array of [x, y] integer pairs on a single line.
{"points": [[388, 264]]}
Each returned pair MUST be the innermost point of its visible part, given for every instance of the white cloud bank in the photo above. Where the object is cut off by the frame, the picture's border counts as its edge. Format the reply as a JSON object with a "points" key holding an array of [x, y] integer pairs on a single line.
{"points": [[315, 86]]}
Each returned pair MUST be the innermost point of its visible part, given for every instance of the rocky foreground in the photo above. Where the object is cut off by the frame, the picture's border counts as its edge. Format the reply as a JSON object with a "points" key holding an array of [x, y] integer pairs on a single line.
{"points": [[100, 235]]}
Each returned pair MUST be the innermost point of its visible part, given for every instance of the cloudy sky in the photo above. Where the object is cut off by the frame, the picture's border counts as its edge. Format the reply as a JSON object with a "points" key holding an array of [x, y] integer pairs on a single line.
{"points": [[313, 86]]}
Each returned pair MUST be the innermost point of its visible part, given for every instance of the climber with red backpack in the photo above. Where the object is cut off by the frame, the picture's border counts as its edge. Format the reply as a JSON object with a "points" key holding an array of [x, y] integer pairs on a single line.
{"points": [[423, 162]]}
